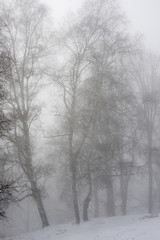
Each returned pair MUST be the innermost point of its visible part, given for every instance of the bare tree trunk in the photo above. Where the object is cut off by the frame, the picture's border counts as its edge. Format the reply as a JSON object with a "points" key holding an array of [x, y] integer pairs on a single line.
{"points": [[39, 203], [150, 174], [123, 186], [88, 198], [124, 193], [124, 181], [110, 198], [75, 200], [37, 197], [36, 193], [96, 201], [73, 158], [74, 191], [124, 205], [31, 178]]}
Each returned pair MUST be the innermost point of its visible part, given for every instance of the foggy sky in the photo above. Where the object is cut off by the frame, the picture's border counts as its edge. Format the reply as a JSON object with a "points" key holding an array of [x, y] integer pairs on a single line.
{"points": [[144, 17]]}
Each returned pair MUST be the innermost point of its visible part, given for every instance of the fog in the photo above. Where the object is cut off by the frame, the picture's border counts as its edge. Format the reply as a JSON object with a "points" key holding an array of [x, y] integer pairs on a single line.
{"points": [[80, 105], [143, 17]]}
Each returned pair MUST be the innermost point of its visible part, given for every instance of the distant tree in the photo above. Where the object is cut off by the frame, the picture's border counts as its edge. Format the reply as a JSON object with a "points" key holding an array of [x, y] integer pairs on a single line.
{"points": [[92, 47], [108, 59], [147, 88]]}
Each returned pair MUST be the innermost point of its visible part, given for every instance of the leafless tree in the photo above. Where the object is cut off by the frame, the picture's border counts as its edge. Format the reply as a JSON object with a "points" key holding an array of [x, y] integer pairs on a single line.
{"points": [[91, 46], [147, 87], [26, 43]]}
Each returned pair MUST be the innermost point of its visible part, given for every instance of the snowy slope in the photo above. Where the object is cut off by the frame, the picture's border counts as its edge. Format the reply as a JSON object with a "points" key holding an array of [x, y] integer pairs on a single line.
{"points": [[116, 228]]}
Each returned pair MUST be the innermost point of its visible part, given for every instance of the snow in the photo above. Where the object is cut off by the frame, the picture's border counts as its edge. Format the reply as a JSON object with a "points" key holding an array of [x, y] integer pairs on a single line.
{"points": [[115, 228]]}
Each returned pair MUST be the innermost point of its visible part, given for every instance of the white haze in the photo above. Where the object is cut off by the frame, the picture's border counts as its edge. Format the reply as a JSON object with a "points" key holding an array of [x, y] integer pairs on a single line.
{"points": [[143, 16]]}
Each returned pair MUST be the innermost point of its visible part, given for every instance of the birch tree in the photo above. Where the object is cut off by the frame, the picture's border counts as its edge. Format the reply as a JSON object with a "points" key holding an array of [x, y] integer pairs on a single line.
{"points": [[27, 44], [90, 46], [147, 102]]}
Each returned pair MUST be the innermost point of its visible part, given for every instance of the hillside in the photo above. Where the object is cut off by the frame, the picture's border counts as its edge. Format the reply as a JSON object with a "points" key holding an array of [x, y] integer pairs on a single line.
{"points": [[116, 228]]}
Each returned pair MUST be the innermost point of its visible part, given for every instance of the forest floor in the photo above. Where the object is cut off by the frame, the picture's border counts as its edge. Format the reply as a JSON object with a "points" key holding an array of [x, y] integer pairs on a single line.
{"points": [[115, 228]]}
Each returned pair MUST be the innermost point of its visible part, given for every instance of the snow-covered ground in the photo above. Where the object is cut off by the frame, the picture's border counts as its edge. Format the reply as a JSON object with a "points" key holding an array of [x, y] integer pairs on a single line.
{"points": [[115, 228]]}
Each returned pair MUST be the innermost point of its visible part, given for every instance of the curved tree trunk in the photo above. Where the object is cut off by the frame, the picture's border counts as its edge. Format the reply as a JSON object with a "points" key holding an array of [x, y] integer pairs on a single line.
{"points": [[29, 172], [40, 206], [96, 201], [87, 199]]}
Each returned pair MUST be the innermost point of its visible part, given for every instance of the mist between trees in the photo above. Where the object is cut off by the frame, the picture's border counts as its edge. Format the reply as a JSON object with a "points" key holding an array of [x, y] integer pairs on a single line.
{"points": [[80, 116]]}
